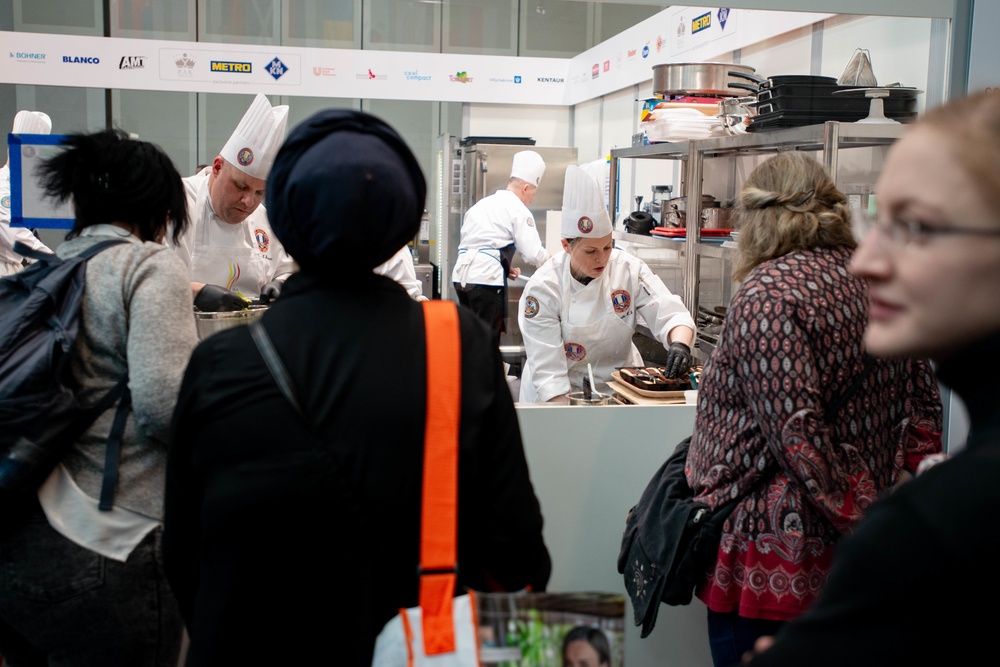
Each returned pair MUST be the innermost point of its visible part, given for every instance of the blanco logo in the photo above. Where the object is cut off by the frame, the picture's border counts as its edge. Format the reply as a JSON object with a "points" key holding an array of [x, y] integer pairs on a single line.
{"points": [[86, 60], [132, 62]]}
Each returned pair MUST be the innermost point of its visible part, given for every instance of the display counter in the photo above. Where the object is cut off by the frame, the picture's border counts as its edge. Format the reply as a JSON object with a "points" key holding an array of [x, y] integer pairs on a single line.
{"points": [[589, 466]]}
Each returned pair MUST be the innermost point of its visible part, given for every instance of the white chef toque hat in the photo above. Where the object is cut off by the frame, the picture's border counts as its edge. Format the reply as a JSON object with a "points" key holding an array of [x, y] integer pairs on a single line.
{"points": [[528, 166], [257, 138], [583, 211], [32, 122]]}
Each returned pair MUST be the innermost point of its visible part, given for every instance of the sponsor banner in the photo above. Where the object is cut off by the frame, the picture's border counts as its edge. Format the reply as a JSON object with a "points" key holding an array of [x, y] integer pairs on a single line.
{"points": [[678, 34], [140, 64]]}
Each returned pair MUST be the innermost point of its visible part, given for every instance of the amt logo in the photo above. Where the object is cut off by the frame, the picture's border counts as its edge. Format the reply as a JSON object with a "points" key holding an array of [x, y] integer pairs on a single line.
{"points": [[132, 62]]}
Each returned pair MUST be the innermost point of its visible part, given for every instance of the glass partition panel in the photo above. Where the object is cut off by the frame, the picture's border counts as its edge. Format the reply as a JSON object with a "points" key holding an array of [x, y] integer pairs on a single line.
{"points": [[63, 17], [145, 19], [250, 21], [486, 27], [555, 28], [320, 23], [402, 25], [612, 18], [163, 118]]}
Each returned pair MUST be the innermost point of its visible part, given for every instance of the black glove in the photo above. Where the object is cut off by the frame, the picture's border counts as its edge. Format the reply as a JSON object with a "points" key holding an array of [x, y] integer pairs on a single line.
{"points": [[215, 299], [270, 291], [678, 360]]}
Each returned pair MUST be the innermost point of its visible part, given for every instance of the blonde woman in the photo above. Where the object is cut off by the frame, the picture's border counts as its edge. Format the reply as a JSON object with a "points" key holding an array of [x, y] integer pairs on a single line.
{"points": [[792, 413]]}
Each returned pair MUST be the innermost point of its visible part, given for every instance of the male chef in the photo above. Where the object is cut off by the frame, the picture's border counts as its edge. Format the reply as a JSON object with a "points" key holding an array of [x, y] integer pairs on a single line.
{"points": [[229, 248], [491, 231], [25, 122]]}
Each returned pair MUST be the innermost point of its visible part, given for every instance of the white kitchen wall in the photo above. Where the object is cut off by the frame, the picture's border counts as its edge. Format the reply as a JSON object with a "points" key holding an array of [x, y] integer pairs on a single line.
{"points": [[548, 126]]}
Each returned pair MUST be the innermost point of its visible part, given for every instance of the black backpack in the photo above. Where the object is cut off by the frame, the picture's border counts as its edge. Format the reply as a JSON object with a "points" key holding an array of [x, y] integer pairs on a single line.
{"points": [[39, 412]]}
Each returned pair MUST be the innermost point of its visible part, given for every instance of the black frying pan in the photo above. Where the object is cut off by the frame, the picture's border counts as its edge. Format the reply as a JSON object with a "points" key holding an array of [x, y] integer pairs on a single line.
{"points": [[781, 80]]}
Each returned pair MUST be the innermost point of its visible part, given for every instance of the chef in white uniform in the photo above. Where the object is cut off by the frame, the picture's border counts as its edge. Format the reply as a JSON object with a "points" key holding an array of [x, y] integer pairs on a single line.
{"points": [[493, 228], [229, 246], [400, 268], [25, 122], [582, 306]]}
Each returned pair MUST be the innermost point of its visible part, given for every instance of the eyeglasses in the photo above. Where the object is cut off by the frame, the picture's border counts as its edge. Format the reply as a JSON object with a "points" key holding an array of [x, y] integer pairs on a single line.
{"points": [[903, 232]]}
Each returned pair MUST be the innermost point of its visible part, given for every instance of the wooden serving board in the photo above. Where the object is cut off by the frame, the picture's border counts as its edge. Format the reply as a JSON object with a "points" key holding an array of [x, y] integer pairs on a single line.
{"points": [[629, 392]]}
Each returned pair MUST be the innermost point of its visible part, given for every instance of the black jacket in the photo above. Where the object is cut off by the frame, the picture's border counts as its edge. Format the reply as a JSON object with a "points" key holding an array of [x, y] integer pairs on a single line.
{"points": [[265, 526]]}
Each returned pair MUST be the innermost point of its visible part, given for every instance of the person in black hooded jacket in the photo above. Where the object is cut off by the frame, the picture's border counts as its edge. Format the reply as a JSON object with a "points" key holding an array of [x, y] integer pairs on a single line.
{"points": [[284, 546]]}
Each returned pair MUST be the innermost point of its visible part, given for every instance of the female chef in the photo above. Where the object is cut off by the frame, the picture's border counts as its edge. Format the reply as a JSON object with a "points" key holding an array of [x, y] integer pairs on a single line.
{"points": [[581, 307]]}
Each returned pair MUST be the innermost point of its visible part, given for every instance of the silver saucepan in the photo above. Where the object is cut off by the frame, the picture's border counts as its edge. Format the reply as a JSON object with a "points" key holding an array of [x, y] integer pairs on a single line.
{"points": [[698, 79]]}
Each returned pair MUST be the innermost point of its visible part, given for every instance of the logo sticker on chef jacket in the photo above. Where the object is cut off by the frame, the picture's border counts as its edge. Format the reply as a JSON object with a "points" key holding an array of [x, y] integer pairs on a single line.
{"points": [[245, 157], [260, 236], [585, 225], [575, 351], [530, 307], [531, 222], [5, 201], [621, 300]]}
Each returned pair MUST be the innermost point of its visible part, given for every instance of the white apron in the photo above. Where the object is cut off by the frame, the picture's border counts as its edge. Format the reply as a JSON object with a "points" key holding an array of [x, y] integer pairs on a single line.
{"points": [[235, 260], [606, 344]]}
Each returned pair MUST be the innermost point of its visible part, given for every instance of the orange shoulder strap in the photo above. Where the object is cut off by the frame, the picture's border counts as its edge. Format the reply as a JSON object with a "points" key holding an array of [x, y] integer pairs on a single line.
{"points": [[439, 505]]}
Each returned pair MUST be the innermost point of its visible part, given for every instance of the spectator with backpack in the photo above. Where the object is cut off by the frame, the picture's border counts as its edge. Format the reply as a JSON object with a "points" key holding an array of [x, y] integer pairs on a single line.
{"points": [[81, 581]]}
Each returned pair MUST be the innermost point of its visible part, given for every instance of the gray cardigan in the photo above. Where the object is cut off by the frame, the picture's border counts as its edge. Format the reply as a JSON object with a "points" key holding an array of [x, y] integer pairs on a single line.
{"points": [[137, 320]]}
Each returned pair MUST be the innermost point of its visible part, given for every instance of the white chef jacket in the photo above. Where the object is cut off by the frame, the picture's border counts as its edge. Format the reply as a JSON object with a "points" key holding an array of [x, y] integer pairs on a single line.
{"points": [[400, 268], [10, 262], [242, 258], [566, 324], [493, 223]]}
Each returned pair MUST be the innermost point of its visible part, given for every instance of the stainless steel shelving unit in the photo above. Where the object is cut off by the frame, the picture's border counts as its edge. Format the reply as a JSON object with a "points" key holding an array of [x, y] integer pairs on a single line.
{"points": [[829, 138]]}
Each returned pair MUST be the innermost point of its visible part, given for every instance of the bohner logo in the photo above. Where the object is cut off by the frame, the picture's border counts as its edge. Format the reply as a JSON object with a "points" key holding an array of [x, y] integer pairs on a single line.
{"points": [[260, 236], [276, 68], [575, 351], [132, 62], [461, 77], [82, 60], [27, 57], [245, 157], [530, 307], [621, 300], [585, 225], [231, 66], [702, 22]]}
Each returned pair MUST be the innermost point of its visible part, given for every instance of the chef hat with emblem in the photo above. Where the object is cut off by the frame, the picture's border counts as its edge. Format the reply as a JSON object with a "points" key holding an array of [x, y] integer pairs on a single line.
{"points": [[584, 214], [528, 166], [32, 122], [257, 138]]}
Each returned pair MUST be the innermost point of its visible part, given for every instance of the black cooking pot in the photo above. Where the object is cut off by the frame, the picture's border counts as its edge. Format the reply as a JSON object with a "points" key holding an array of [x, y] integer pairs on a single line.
{"points": [[639, 222]]}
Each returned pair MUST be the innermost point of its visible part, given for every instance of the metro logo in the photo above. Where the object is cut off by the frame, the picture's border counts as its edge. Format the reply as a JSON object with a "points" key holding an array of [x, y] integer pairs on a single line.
{"points": [[701, 23], [226, 66]]}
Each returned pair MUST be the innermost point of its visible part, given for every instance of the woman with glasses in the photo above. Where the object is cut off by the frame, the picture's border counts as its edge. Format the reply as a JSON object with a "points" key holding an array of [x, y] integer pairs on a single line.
{"points": [[793, 416], [914, 584]]}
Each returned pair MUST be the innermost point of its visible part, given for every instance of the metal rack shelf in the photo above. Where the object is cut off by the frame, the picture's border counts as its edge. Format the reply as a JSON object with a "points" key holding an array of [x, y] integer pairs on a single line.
{"points": [[829, 138]]}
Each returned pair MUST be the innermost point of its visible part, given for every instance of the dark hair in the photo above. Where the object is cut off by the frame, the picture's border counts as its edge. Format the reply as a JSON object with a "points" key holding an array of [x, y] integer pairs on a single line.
{"points": [[593, 636], [113, 178]]}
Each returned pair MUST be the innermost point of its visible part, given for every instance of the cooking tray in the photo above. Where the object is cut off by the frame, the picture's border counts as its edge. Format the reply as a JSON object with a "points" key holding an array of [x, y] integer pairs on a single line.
{"points": [[782, 119], [780, 80], [646, 393], [830, 98]]}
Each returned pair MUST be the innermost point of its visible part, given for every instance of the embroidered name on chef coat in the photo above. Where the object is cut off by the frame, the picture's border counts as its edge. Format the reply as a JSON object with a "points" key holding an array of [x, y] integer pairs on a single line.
{"points": [[530, 307], [260, 236], [621, 300], [575, 351], [585, 225]]}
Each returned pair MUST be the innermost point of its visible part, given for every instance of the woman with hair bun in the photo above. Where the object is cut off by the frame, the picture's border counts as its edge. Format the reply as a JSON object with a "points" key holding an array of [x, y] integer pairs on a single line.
{"points": [[793, 415], [81, 585]]}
